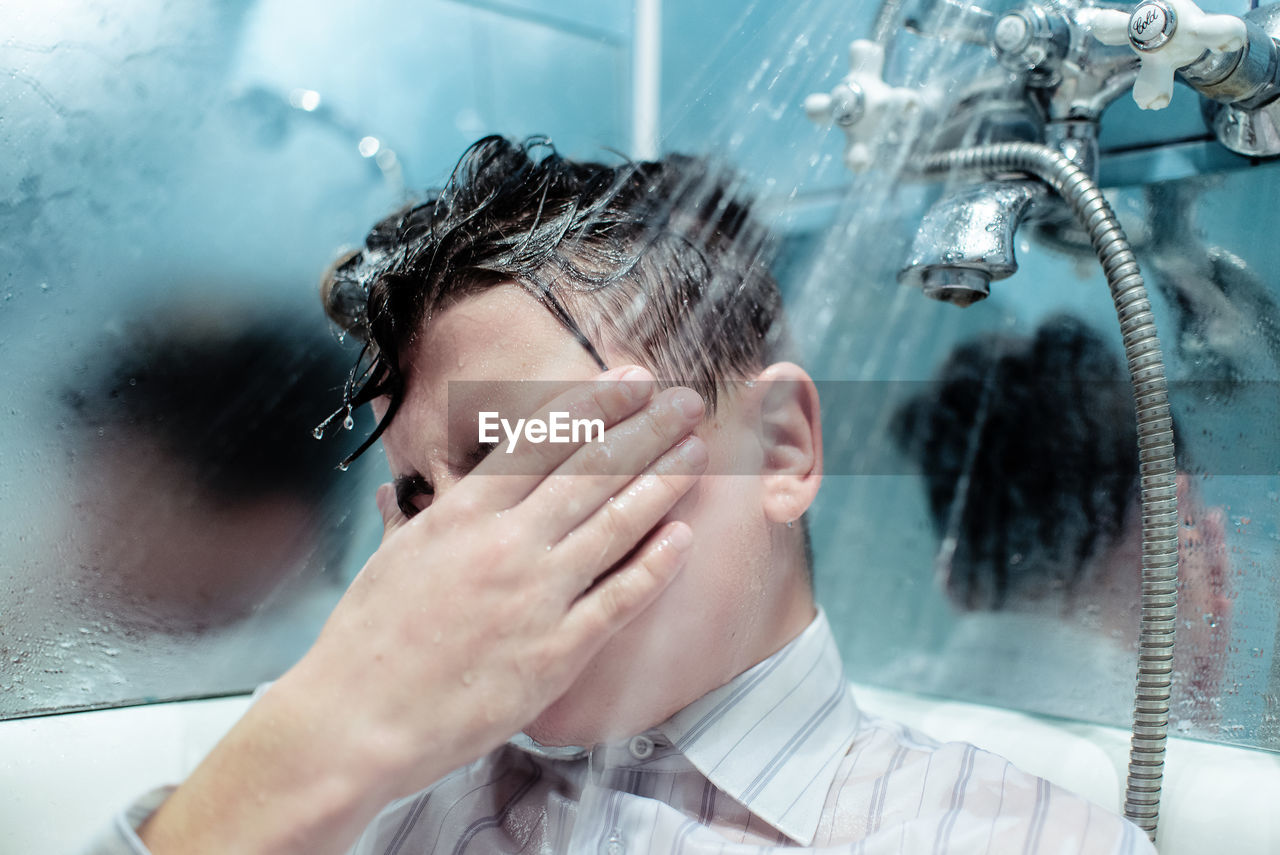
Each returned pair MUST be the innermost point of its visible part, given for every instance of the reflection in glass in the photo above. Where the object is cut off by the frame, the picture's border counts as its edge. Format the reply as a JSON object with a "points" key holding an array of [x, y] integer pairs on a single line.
{"points": [[198, 506], [1028, 448], [1209, 253]]}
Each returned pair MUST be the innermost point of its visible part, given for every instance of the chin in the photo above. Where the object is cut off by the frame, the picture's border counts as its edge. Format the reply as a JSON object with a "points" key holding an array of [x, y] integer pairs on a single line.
{"points": [[571, 721], [591, 713]]}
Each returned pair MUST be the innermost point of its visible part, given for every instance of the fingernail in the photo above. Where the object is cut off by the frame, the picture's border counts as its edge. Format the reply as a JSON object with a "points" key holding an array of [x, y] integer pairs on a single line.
{"points": [[694, 451], [636, 383], [680, 538], [687, 403]]}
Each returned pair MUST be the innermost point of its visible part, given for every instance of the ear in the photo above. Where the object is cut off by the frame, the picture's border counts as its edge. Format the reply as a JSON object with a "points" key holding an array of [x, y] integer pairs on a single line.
{"points": [[791, 439]]}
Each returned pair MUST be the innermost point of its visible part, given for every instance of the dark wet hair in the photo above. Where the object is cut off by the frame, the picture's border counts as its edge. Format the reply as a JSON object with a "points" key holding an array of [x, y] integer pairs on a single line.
{"points": [[1028, 447], [661, 259]]}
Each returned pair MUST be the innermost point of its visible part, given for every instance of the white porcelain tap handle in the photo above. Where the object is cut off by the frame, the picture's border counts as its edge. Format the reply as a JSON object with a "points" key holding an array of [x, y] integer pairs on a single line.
{"points": [[1167, 35], [862, 104]]}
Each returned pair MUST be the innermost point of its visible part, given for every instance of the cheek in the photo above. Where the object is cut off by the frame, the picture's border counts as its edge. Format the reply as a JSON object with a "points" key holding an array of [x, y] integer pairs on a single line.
{"points": [[723, 573]]}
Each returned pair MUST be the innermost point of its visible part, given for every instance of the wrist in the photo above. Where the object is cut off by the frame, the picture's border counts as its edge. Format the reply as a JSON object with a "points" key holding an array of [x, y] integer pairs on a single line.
{"points": [[352, 754], [292, 776]]}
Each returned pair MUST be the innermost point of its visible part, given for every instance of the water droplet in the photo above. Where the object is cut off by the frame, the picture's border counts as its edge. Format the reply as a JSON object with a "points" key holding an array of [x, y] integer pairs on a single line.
{"points": [[1211, 620], [348, 422], [318, 432], [343, 466]]}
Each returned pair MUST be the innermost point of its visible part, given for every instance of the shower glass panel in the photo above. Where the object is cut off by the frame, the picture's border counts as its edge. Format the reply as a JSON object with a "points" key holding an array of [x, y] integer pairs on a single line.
{"points": [[883, 568], [175, 179]]}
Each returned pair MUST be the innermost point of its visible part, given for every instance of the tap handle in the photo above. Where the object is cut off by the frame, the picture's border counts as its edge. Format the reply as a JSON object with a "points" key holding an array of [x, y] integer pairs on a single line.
{"points": [[862, 104], [1167, 35]]}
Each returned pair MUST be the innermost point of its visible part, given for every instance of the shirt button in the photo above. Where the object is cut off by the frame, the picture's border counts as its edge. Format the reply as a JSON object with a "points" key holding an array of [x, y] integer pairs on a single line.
{"points": [[613, 845], [641, 747]]}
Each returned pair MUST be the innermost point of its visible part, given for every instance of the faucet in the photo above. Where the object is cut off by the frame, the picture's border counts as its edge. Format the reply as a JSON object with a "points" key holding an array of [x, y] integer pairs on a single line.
{"points": [[1062, 62], [1066, 80], [966, 240], [1051, 86]]}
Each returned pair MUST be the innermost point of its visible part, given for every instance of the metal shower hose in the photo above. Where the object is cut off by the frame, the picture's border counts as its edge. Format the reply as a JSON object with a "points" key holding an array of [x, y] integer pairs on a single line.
{"points": [[1155, 449]]}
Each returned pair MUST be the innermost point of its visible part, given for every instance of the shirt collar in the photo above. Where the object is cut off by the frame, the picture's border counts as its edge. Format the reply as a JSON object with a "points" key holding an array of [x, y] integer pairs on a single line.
{"points": [[774, 736]]}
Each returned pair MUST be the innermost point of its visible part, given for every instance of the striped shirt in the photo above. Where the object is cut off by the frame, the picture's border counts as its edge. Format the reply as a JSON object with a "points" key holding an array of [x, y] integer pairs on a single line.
{"points": [[779, 757]]}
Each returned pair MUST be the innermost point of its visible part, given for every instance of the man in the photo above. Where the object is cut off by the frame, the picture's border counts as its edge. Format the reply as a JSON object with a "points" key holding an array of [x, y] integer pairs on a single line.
{"points": [[639, 607]]}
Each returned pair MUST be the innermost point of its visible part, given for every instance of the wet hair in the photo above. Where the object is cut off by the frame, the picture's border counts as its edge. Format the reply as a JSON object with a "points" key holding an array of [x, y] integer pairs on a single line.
{"points": [[662, 260], [1028, 447], [228, 393]]}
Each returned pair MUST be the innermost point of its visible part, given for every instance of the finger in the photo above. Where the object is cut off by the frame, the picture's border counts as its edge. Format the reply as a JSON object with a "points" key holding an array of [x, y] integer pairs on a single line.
{"points": [[615, 528], [597, 472], [622, 595], [611, 397]]}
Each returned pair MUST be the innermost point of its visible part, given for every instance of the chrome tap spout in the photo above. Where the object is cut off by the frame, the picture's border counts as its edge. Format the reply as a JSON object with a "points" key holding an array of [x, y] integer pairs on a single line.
{"points": [[966, 241]]}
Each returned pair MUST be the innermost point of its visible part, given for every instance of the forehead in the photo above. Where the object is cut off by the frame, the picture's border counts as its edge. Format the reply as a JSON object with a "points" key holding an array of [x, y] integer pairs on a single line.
{"points": [[482, 351]]}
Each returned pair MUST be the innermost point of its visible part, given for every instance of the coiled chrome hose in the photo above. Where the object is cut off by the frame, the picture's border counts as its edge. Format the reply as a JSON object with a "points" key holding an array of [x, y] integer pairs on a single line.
{"points": [[1155, 449]]}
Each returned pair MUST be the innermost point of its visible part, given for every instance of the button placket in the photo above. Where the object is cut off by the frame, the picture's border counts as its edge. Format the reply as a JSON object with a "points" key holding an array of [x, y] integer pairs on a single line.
{"points": [[613, 845]]}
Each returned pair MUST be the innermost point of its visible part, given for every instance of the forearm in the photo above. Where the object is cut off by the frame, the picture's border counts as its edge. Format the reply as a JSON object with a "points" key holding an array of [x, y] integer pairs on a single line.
{"points": [[466, 622], [293, 776]]}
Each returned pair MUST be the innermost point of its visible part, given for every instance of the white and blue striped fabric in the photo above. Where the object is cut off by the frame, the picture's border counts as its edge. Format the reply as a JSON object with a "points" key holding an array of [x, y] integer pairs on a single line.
{"points": [[781, 757]]}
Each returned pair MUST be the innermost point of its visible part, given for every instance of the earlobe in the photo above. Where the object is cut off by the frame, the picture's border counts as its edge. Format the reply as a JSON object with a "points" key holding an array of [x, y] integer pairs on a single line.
{"points": [[791, 441]]}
